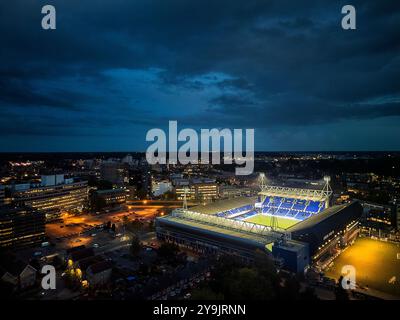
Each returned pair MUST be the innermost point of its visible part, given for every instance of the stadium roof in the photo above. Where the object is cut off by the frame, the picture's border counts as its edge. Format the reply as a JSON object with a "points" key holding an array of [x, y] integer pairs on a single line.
{"points": [[225, 226], [314, 220], [307, 194], [223, 205], [221, 230]]}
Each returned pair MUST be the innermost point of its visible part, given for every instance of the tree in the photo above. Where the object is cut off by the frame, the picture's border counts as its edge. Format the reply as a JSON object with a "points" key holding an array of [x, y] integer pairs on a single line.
{"points": [[264, 263], [135, 246], [232, 279], [125, 220], [168, 251], [247, 284], [142, 194], [108, 225], [169, 195], [136, 225], [291, 289]]}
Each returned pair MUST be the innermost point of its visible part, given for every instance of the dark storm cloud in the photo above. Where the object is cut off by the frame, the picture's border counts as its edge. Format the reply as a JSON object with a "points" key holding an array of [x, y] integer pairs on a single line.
{"points": [[295, 112], [19, 92], [240, 63]]}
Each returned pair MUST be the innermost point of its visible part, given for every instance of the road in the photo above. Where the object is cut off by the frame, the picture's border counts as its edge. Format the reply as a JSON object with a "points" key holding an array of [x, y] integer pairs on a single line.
{"points": [[85, 229], [165, 203], [74, 225]]}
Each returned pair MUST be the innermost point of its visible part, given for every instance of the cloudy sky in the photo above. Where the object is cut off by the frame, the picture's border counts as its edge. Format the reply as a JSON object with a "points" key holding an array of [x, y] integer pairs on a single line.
{"points": [[112, 70]]}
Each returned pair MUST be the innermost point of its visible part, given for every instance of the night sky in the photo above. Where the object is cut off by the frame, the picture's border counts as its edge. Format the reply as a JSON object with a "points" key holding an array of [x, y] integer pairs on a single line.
{"points": [[114, 69]]}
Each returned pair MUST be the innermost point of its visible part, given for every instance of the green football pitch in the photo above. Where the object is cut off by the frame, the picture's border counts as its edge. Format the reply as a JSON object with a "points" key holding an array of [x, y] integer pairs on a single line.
{"points": [[377, 264], [264, 220]]}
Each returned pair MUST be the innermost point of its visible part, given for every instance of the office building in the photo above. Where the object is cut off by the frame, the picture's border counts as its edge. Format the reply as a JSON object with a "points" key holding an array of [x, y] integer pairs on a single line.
{"points": [[21, 226], [200, 190], [379, 217], [1, 195], [115, 172], [53, 196], [109, 198]]}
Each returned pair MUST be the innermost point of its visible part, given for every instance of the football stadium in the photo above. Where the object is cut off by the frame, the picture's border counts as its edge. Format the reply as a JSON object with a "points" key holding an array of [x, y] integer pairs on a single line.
{"points": [[296, 226]]}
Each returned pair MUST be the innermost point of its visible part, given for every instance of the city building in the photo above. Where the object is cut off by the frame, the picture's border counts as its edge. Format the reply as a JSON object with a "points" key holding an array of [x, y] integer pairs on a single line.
{"points": [[201, 190], [115, 172], [128, 159], [158, 188], [292, 255], [132, 192], [99, 273], [379, 217], [1, 195], [397, 217], [89, 268], [54, 195], [76, 254], [52, 180], [109, 198], [21, 226], [18, 274], [228, 192]]}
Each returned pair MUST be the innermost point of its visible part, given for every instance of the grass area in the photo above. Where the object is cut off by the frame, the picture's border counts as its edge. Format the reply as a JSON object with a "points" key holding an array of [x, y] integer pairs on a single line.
{"points": [[264, 220], [376, 263]]}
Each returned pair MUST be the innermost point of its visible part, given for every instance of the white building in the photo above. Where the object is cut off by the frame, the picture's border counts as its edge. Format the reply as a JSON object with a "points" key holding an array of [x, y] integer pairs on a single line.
{"points": [[160, 187]]}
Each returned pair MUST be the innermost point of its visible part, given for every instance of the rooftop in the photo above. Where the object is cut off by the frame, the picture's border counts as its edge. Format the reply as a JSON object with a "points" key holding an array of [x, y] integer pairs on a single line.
{"points": [[100, 267], [223, 205], [82, 254], [118, 190], [315, 219], [222, 230]]}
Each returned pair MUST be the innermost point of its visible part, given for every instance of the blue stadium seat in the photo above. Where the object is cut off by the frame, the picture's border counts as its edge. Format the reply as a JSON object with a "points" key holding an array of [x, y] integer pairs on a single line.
{"points": [[287, 203], [300, 205], [292, 208], [266, 201], [282, 211], [313, 206], [276, 201]]}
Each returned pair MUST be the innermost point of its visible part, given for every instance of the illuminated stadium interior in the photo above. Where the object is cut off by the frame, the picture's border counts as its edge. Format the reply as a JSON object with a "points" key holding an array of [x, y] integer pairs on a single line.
{"points": [[277, 207]]}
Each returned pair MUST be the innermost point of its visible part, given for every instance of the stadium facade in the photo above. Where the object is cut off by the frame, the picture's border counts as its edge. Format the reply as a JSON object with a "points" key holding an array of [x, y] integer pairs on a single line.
{"points": [[298, 227]]}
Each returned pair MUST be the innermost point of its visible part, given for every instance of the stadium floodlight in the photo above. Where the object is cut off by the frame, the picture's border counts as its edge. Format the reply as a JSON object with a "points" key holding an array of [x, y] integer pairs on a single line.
{"points": [[327, 190], [327, 179], [262, 179], [184, 205]]}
